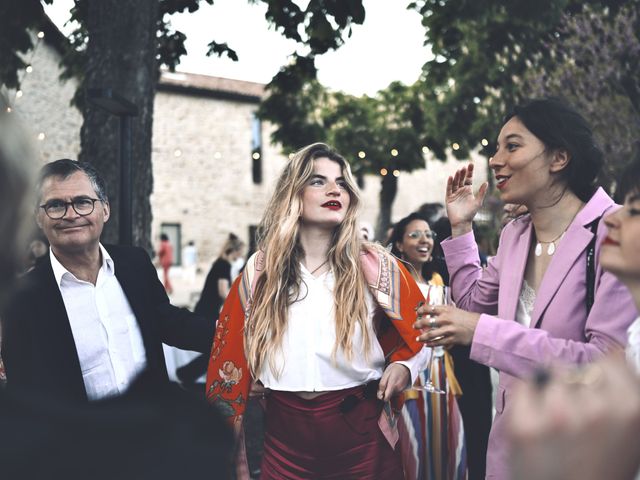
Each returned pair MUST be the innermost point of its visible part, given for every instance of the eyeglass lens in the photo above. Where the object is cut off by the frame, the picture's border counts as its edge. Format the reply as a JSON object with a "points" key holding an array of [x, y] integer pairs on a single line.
{"points": [[57, 209], [418, 234]]}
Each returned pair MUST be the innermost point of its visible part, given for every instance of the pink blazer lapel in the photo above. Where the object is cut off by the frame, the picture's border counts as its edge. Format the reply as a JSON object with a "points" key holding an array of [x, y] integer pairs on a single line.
{"points": [[511, 283], [568, 252]]}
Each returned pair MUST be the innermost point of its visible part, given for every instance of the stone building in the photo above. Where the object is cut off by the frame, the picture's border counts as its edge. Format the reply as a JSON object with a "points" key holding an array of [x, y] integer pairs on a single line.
{"points": [[214, 165]]}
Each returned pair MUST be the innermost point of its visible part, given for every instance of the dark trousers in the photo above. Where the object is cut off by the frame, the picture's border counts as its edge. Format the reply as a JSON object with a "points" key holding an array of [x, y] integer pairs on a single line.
{"points": [[475, 407]]}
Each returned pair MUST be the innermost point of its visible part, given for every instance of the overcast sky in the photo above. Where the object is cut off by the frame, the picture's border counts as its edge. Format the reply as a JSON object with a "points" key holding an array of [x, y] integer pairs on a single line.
{"points": [[387, 47]]}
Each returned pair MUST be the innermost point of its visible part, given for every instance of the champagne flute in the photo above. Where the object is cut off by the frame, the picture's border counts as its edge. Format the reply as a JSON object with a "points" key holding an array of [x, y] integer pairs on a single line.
{"points": [[436, 295]]}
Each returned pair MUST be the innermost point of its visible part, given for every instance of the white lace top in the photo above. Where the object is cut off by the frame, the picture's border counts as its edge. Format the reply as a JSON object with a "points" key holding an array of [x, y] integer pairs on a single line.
{"points": [[525, 304]]}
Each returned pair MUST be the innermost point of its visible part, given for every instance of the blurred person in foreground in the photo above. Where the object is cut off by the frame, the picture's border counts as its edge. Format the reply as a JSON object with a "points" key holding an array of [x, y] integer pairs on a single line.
{"points": [[544, 298], [157, 433], [585, 424], [321, 324], [17, 163]]}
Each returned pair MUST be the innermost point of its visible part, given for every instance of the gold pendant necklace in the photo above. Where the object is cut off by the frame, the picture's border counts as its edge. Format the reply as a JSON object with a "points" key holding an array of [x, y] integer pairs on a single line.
{"points": [[551, 249]]}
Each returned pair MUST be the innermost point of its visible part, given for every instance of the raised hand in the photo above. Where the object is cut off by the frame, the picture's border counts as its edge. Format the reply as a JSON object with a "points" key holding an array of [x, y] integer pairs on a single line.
{"points": [[462, 205]]}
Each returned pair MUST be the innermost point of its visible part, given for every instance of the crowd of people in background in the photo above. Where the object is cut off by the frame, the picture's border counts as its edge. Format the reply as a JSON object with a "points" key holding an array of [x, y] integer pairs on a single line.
{"points": [[359, 373]]}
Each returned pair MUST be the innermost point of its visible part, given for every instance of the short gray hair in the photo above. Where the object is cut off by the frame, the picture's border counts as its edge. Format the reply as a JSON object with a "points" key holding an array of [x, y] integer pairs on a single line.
{"points": [[64, 168]]}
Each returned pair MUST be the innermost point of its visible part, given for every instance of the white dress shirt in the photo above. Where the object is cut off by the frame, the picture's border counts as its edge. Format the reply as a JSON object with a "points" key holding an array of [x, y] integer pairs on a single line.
{"points": [[106, 333], [305, 363]]}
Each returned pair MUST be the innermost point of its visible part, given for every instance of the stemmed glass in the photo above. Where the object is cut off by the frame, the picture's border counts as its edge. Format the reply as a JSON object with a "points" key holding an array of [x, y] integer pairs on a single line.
{"points": [[436, 295]]}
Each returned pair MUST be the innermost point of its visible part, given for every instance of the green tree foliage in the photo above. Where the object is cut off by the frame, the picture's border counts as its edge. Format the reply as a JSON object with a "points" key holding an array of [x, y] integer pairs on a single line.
{"points": [[597, 68], [482, 50]]}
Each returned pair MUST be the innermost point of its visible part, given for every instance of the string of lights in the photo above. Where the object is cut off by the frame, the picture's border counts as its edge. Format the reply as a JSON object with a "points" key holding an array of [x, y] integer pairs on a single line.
{"points": [[19, 93]]}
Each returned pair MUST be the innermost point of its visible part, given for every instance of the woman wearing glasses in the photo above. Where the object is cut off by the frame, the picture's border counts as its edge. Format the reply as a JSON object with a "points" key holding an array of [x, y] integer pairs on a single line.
{"points": [[322, 323], [437, 431], [544, 298]]}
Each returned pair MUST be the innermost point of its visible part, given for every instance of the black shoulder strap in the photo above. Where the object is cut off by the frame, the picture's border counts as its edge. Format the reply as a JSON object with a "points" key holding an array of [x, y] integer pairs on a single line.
{"points": [[591, 264]]}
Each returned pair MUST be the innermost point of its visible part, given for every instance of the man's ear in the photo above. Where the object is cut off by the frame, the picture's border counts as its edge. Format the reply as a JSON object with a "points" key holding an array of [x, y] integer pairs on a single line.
{"points": [[39, 212], [561, 159], [107, 211]]}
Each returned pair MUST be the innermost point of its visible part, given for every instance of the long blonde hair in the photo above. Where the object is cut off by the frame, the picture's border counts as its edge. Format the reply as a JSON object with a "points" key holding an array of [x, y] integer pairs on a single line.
{"points": [[279, 285]]}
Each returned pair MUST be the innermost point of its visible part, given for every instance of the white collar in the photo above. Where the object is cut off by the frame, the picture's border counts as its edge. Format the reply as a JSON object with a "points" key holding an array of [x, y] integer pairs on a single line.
{"points": [[60, 270]]}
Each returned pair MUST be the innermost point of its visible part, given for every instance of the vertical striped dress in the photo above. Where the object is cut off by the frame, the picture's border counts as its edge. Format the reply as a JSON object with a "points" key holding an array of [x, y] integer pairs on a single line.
{"points": [[432, 436]]}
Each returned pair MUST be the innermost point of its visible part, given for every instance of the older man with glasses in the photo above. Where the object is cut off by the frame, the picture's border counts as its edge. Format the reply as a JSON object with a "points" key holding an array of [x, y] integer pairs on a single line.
{"points": [[89, 318]]}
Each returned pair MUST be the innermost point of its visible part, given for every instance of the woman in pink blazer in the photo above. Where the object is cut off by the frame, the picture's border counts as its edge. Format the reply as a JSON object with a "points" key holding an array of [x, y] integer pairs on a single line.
{"points": [[538, 302]]}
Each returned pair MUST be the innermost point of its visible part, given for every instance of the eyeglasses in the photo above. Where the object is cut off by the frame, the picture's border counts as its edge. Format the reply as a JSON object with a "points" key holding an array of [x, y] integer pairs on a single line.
{"points": [[350, 401], [57, 209], [416, 234]]}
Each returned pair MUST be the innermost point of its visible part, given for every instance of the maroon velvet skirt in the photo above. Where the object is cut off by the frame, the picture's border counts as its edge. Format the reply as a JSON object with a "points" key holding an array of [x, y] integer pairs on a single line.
{"points": [[327, 437]]}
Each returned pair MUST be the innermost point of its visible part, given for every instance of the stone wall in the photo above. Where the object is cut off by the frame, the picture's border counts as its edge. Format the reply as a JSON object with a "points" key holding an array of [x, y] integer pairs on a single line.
{"points": [[202, 169], [45, 106]]}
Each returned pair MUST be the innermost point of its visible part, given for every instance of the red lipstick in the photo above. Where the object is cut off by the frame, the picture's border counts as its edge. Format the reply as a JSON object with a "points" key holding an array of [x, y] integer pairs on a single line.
{"points": [[332, 205]]}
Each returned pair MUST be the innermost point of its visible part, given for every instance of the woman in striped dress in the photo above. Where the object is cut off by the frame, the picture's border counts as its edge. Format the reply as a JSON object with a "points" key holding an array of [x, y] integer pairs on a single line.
{"points": [[434, 446]]}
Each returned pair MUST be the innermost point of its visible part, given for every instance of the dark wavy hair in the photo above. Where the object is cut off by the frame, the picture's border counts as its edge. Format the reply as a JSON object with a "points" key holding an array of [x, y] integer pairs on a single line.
{"points": [[397, 234], [629, 181], [560, 127]]}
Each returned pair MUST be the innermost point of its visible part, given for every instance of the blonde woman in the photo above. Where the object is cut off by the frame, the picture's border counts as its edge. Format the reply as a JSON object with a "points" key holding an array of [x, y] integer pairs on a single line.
{"points": [[320, 322]]}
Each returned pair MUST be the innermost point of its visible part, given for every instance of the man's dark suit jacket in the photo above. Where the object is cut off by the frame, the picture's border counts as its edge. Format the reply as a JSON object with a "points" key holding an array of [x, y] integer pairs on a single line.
{"points": [[37, 344]]}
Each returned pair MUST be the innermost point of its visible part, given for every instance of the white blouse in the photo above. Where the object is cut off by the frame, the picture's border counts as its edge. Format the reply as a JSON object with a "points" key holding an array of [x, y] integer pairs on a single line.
{"points": [[309, 339]]}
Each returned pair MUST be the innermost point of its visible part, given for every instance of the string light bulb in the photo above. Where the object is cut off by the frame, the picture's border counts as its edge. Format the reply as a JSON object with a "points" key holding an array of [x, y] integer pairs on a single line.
{"points": [[383, 172], [455, 146], [29, 69], [41, 35], [396, 173], [177, 152], [484, 142], [19, 94], [8, 109], [41, 136], [361, 154], [217, 155], [394, 152], [425, 149], [256, 156]]}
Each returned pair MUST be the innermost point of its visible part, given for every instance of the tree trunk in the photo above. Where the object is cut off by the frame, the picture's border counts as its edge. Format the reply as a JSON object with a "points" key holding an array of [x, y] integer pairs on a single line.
{"points": [[121, 55], [388, 190]]}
